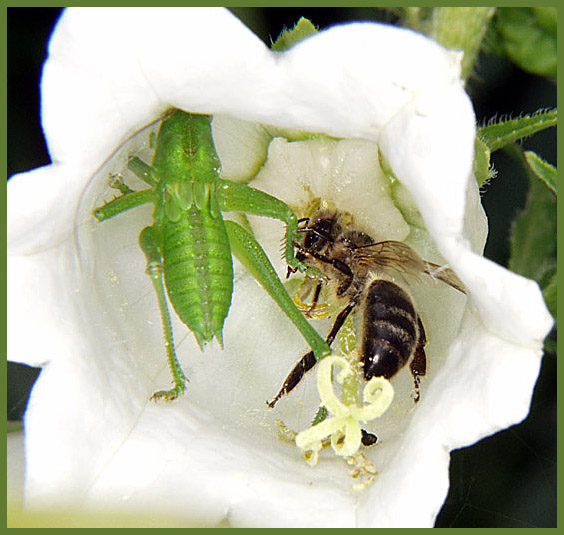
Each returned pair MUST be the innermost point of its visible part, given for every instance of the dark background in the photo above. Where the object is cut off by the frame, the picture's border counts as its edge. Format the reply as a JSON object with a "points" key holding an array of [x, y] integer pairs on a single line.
{"points": [[508, 480]]}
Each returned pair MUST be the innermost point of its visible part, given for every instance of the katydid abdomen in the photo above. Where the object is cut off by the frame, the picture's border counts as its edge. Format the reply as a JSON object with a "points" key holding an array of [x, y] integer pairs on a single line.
{"points": [[198, 272]]}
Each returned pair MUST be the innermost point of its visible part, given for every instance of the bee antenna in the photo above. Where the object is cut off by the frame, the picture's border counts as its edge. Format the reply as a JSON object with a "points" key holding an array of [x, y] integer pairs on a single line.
{"points": [[321, 234]]}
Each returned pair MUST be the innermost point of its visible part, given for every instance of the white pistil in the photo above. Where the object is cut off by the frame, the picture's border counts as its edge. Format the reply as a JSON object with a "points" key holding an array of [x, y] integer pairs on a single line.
{"points": [[344, 426]]}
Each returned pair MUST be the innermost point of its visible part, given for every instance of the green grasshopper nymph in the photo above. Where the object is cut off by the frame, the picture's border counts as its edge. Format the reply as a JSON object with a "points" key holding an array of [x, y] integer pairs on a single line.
{"points": [[189, 245]]}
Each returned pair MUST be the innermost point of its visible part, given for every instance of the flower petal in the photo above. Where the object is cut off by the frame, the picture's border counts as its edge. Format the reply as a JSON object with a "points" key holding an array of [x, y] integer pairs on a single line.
{"points": [[509, 305], [468, 400], [43, 323], [125, 82]]}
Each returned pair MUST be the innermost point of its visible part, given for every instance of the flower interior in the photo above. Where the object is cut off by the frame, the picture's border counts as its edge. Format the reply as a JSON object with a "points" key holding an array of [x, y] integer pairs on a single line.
{"points": [[229, 388]]}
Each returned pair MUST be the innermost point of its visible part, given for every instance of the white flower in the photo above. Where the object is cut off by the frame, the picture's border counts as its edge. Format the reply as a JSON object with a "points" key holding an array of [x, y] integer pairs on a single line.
{"points": [[92, 437]]}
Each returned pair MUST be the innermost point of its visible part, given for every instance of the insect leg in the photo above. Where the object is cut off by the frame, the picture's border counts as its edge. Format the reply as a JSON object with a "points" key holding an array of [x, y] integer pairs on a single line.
{"points": [[116, 182], [339, 265], [314, 309], [123, 203], [149, 243], [142, 170], [335, 262], [252, 256], [418, 365], [315, 299], [129, 198], [241, 198], [308, 361], [368, 439]]}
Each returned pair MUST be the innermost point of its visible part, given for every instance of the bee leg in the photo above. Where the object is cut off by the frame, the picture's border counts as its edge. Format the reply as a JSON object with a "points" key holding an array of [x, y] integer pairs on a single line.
{"points": [[308, 361], [368, 439], [418, 364], [314, 300], [313, 309], [290, 272], [339, 265]]}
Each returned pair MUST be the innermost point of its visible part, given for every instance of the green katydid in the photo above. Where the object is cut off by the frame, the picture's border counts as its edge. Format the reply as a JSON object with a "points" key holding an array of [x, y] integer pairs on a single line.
{"points": [[189, 245]]}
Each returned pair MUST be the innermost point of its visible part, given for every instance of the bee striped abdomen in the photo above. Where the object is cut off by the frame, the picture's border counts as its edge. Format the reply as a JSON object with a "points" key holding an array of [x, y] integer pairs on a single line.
{"points": [[198, 271], [389, 330]]}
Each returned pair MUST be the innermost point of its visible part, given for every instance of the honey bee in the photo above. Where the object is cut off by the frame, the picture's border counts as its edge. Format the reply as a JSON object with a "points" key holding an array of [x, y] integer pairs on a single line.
{"points": [[363, 271]]}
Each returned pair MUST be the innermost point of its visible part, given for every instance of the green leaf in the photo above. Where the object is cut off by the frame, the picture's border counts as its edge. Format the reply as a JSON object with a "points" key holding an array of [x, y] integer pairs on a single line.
{"points": [[550, 346], [533, 240], [542, 169], [533, 246], [482, 168], [419, 19], [500, 134], [549, 293], [288, 38], [529, 37], [546, 18]]}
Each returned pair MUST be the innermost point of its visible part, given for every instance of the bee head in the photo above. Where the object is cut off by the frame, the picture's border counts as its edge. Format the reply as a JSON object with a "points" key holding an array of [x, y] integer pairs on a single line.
{"points": [[321, 230]]}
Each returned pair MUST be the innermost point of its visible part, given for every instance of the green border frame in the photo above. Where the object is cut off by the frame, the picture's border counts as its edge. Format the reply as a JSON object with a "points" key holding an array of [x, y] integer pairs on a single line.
{"points": [[238, 7]]}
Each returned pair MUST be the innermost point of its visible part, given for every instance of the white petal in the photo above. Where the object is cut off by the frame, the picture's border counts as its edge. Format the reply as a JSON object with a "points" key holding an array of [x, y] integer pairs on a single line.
{"points": [[43, 322], [120, 84], [469, 399], [42, 205], [97, 91], [241, 146], [509, 305], [192, 458]]}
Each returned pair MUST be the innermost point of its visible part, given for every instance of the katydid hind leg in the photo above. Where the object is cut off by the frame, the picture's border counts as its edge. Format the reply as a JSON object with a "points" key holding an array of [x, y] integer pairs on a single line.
{"points": [[149, 243], [249, 252]]}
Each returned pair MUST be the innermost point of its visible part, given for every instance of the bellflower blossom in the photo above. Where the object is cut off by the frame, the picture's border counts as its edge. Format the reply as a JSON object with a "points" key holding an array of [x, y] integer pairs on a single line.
{"points": [[82, 308]]}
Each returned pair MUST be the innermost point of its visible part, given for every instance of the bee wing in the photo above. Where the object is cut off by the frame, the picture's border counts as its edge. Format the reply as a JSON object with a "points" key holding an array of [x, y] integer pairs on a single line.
{"points": [[390, 255], [396, 256], [444, 274]]}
